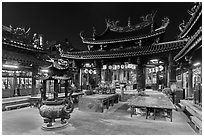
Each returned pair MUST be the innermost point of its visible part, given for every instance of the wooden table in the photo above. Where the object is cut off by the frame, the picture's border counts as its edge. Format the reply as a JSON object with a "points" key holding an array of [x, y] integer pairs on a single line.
{"points": [[152, 102], [97, 102]]}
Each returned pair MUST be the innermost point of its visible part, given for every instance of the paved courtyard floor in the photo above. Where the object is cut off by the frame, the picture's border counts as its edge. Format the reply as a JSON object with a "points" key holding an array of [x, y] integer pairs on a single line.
{"points": [[114, 121]]}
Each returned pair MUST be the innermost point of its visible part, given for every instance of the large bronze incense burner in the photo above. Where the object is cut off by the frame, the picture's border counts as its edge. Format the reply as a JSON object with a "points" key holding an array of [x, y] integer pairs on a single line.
{"points": [[53, 110]]}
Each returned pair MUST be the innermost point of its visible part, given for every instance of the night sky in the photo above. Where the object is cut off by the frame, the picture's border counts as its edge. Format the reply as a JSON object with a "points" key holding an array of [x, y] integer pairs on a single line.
{"points": [[58, 21]]}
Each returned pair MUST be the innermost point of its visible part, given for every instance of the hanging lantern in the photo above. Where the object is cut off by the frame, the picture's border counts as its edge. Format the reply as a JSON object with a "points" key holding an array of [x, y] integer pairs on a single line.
{"points": [[114, 67], [86, 71], [90, 71], [161, 68], [157, 69], [122, 66], [110, 67], [129, 65], [94, 72], [104, 67], [126, 66], [118, 66], [133, 66]]}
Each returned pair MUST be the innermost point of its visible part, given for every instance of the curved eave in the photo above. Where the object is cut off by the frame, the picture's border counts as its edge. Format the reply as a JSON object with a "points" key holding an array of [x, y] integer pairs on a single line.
{"points": [[22, 58], [191, 44], [21, 46], [145, 50], [190, 23], [154, 33], [5, 28]]}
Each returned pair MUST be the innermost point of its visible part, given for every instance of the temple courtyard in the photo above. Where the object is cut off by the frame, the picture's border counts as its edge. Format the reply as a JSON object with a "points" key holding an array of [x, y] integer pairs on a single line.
{"points": [[114, 121]]}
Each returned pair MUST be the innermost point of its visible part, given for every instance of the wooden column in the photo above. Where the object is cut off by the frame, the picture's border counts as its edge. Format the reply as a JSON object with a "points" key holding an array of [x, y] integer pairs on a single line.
{"points": [[144, 77], [140, 75], [56, 89], [34, 72], [190, 76], [171, 72], [80, 80], [15, 85], [44, 89], [66, 88], [182, 81], [166, 76]]}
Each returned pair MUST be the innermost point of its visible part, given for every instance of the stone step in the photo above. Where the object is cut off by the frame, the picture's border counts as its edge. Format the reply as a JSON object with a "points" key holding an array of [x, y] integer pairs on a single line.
{"points": [[5, 100], [182, 107], [14, 102], [194, 111], [197, 123], [16, 106]]}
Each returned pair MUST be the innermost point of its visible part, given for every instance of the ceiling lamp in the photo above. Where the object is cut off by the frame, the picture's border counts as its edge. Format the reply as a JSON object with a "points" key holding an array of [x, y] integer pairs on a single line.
{"points": [[196, 64], [10, 66]]}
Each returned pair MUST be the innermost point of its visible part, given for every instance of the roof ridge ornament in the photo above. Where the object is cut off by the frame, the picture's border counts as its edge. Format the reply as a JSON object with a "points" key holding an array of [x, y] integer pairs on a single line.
{"points": [[94, 33], [185, 27], [182, 26], [165, 23], [20, 31], [149, 17], [147, 20], [192, 11], [80, 34], [129, 23], [111, 23]]}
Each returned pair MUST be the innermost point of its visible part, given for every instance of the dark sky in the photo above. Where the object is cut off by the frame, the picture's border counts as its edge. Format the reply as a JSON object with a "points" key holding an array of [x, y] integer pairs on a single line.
{"points": [[58, 21]]}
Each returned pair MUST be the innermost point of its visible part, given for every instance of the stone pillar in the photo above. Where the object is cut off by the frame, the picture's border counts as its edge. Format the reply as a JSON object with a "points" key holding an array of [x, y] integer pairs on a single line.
{"points": [[166, 76], [144, 76], [171, 73], [172, 77], [15, 85], [190, 76], [34, 72], [87, 82], [140, 75]]}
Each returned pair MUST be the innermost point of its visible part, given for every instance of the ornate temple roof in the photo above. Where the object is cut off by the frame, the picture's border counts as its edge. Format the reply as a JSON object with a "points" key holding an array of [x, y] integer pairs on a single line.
{"points": [[20, 45], [195, 13], [138, 51], [193, 43], [195, 36], [17, 46], [115, 33], [18, 38]]}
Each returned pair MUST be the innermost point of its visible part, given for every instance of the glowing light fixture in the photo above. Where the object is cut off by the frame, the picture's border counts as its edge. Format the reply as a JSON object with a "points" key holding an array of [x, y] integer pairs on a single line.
{"points": [[10, 66], [154, 61], [196, 64], [44, 70]]}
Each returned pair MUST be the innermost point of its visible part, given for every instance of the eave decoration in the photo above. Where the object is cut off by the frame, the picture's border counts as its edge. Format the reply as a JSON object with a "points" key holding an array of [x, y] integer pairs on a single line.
{"points": [[147, 20], [195, 12], [139, 51], [193, 42]]}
